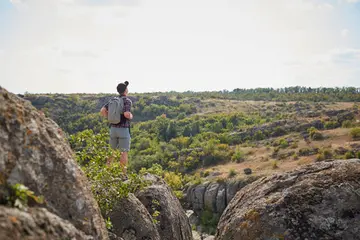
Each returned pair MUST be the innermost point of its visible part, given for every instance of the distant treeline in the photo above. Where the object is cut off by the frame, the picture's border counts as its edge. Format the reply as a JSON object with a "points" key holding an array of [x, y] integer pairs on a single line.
{"points": [[337, 94]]}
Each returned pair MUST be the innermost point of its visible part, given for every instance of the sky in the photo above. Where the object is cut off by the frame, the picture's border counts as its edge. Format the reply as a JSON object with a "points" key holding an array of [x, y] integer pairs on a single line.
{"points": [[89, 46]]}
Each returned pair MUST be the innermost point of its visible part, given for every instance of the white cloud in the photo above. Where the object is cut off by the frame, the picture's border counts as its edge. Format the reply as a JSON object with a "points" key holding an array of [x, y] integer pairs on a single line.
{"points": [[77, 46], [344, 33], [347, 56], [352, 1]]}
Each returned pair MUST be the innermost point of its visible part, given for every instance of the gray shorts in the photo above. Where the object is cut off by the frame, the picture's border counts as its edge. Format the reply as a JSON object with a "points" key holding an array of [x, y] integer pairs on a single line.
{"points": [[120, 139]]}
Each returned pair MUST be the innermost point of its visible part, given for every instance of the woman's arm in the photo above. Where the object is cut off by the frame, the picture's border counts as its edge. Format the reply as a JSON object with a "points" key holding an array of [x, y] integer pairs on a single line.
{"points": [[128, 115], [127, 109], [104, 112]]}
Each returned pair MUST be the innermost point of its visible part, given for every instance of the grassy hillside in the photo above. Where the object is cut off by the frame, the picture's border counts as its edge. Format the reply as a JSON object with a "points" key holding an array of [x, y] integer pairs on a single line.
{"points": [[188, 138], [185, 132]]}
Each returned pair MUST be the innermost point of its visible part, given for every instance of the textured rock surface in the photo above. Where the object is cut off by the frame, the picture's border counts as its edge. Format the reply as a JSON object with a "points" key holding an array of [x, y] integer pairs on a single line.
{"points": [[113, 236], [34, 152], [132, 221], [319, 201], [197, 198], [214, 196], [221, 199], [173, 223], [210, 196], [36, 223], [231, 189]]}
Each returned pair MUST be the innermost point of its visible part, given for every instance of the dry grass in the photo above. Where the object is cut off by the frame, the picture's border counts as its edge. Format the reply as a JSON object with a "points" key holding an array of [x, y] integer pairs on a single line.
{"points": [[262, 164], [259, 158]]}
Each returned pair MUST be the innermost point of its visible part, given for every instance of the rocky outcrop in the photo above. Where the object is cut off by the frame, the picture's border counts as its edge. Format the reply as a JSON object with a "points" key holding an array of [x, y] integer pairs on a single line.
{"points": [[221, 201], [213, 196], [319, 201], [36, 223], [132, 221], [210, 197], [172, 222], [197, 197], [34, 152]]}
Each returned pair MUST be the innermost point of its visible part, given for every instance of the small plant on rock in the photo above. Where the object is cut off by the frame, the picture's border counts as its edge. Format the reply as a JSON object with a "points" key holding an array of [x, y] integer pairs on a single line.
{"points": [[21, 195]]}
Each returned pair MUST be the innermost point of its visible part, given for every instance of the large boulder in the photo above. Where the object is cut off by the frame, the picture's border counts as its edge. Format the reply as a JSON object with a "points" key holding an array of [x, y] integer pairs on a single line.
{"points": [[132, 221], [34, 152], [214, 196], [36, 223], [173, 223], [319, 201]]}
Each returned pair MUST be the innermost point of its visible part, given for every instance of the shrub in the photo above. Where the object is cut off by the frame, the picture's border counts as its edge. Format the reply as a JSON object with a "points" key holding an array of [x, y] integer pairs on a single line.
{"points": [[294, 145], [317, 136], [355, 133], [174, 180], [259, 135], [295, 156], [206, 173], [232, 173], [279, 131], [305, 152], [283, 143], [331, 124], [274, 164], [349, 155], [155, 169], [209, 221], [327, 153], [238, 156], [358, 155], [347, 124], [275, 151], [320, 157], [181, 116], [221, 180]]}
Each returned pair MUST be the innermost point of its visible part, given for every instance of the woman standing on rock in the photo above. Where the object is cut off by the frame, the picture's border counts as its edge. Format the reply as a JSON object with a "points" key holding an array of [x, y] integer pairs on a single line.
{"points": [[118, 112]]}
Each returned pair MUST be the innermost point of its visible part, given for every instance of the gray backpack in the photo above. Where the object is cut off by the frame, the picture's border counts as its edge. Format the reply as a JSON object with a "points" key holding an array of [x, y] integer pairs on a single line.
{"points": [[115, 109]]}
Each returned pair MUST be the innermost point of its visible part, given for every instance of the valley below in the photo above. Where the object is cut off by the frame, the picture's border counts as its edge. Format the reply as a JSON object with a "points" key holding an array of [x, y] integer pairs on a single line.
{"points": [[243, 165]]}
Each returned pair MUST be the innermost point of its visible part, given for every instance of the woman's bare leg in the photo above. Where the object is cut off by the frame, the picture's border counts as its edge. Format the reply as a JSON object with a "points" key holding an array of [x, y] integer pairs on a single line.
{"points": [[124, 161]]}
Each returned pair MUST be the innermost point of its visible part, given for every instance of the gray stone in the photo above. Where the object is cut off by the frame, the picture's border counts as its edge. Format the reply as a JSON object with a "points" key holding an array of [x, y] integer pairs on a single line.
{"points": [[221, 199], [173, 223], [34, 152], [231, 189], [318, 201], [247, 171], [193, 218], [210, 238], [36, 223], [198, 198], [131, 220], [210, 196]]}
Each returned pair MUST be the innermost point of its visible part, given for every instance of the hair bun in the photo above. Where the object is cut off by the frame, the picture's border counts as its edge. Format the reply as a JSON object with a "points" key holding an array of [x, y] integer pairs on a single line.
{"points": [[126, 83]]}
